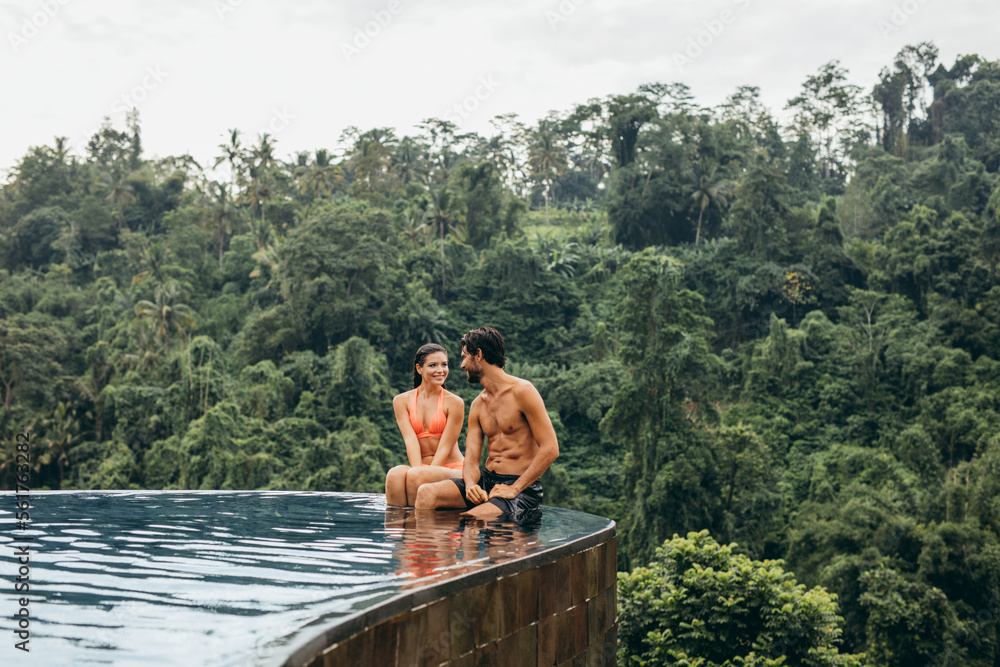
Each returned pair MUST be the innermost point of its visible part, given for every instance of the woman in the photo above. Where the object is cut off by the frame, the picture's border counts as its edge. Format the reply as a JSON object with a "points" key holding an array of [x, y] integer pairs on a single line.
{"points": [[430, 420]]}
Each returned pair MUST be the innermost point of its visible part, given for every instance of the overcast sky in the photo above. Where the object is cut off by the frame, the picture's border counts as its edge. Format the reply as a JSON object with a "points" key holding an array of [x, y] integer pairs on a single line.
{"points": [[306, 69]]}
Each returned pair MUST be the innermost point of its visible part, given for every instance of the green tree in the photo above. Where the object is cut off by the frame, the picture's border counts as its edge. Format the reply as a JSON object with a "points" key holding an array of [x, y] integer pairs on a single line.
{"points": [[708, 190], [702, 603], [232, 152], [663, 336], [222, 216], [547, 159], [121, 192], [166, 313]]}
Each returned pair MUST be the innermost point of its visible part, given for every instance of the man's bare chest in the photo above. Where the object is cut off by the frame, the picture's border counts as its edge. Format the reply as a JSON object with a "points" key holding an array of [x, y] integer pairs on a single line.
{"points": [[501, 418]]}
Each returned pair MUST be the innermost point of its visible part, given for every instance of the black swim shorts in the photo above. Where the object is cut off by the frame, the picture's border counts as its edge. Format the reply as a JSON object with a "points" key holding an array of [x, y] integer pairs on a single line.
{"points": [[528, 499]]}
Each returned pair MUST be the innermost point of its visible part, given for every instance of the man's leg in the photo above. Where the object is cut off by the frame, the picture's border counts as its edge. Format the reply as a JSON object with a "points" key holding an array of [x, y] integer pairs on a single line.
{"points": [[439, 495]]}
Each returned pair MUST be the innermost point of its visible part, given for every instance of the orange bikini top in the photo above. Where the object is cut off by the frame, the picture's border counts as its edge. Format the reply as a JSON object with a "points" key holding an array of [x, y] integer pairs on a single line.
{"points": [[436, 428]]}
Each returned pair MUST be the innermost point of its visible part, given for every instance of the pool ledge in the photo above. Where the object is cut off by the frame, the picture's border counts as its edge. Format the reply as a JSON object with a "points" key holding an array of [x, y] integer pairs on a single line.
{"points": [[552, 607]]}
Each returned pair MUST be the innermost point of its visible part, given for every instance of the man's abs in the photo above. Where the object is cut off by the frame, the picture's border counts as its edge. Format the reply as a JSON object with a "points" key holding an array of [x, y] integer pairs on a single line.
{"points": [[509, 456]]}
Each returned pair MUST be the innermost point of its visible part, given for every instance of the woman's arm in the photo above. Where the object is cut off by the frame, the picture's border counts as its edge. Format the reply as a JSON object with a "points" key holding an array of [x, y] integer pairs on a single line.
{"points": [[455, 409], [401, 407]]}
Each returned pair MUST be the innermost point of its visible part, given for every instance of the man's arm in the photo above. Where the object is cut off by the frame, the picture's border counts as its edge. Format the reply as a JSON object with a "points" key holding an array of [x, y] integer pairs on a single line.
{"points": [[473, 450], [530, 403]]}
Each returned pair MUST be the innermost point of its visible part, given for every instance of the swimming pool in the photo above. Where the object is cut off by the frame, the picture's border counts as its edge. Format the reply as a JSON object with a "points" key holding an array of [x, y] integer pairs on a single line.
{"points": [[244, 578]]}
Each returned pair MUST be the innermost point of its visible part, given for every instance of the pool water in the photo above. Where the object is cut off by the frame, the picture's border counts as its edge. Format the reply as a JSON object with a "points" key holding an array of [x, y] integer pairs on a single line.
{"points": [[232, 578]]}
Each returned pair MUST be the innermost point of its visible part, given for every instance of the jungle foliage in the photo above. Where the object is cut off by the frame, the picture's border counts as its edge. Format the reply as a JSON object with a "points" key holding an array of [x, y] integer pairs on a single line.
{"points": [[787, 335]]}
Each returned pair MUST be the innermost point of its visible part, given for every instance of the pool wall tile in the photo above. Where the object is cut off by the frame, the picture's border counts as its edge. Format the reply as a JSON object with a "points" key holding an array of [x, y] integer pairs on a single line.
{"points": [[359, 649], [564, 636], [527, 586], [412, 637], [486, 655], [486, 619], [547, 642], [611, 607], [507, 652], [554, 594], [578, 578], [509, 602], [384, 642], [612, 561], [600, 565], [594, 619], [527, 645], [333, 656], [437, 648], [592, 573], [579, 628], [462, 620]]}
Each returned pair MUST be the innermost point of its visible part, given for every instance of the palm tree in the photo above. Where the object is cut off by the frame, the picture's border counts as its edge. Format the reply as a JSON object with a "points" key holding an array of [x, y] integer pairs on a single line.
{"points": [[153, 257], [144, 331], [223, 216], [263, 232], [61, 149], [61, 430], [414, 225], [708, 190], [445, 215], [120, 193], [407, 160], [270, 256], [321, 175], [166, 313], [546, 158], [231, 153], [261, 161]]}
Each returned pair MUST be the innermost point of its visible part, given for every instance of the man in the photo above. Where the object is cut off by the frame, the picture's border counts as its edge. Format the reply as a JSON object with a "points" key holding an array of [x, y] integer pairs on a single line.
{"points": [[521, 441]]}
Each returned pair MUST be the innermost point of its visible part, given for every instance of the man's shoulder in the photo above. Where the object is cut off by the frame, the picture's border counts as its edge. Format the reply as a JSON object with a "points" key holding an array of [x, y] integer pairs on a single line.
{"points": [[523, 389]]}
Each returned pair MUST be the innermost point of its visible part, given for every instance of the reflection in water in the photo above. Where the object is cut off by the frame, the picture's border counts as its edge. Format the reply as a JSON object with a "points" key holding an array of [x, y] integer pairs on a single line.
{"points": [[438, 545], [227, 578]]}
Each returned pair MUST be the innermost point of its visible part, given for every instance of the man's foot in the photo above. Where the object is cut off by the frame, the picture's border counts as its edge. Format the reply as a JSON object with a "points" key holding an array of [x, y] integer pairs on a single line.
{"points": [[484, 511]]}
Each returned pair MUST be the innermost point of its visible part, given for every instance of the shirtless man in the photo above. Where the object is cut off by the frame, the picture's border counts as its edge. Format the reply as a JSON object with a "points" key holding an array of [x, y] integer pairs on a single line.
{"points": [[521, 441]]}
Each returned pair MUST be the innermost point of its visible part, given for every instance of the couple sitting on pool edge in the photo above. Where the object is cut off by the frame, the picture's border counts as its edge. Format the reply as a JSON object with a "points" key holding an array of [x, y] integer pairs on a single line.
{"points": [[509, 412]]}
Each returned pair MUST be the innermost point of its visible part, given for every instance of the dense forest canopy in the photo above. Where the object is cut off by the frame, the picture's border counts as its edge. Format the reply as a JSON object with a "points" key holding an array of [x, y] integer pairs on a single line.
{"points": [[783, 333]]}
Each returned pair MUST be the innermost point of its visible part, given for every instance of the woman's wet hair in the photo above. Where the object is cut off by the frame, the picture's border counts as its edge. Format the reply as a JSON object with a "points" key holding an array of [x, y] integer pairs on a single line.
{"points": [[489, 341], [420, 356]]}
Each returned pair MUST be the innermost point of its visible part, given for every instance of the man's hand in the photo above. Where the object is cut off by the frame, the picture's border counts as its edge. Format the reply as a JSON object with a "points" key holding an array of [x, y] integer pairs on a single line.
{"points": [[475, 494], [503, 491]]}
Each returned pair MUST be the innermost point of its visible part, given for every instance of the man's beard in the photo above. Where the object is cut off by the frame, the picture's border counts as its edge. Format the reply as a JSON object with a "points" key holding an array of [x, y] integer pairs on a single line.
{"points": [[473, 376]]}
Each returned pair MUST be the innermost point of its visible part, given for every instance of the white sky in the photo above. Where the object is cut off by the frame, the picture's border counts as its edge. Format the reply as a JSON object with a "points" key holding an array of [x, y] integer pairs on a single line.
{"points": [[195, 68]]}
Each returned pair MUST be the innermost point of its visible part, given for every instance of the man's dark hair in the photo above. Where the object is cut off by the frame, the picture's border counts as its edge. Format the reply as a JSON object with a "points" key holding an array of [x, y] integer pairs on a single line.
{"points": [[489, 341]]}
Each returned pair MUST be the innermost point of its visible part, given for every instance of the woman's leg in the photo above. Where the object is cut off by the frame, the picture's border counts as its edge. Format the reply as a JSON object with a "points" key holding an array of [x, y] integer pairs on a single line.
{"points": [[395, 486], [426, 475]]}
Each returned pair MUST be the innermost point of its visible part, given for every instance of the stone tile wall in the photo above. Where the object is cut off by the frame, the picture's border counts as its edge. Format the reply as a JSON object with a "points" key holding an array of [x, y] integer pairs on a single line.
{"points": [[561, 614]]}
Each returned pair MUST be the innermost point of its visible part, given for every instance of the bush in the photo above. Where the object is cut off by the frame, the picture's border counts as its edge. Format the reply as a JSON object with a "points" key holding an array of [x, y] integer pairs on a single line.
{"points": [[701, 604]]}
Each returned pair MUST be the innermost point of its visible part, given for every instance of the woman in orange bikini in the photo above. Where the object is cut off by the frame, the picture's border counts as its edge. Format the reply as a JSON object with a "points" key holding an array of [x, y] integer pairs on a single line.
{"points": [[430, 420]]}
